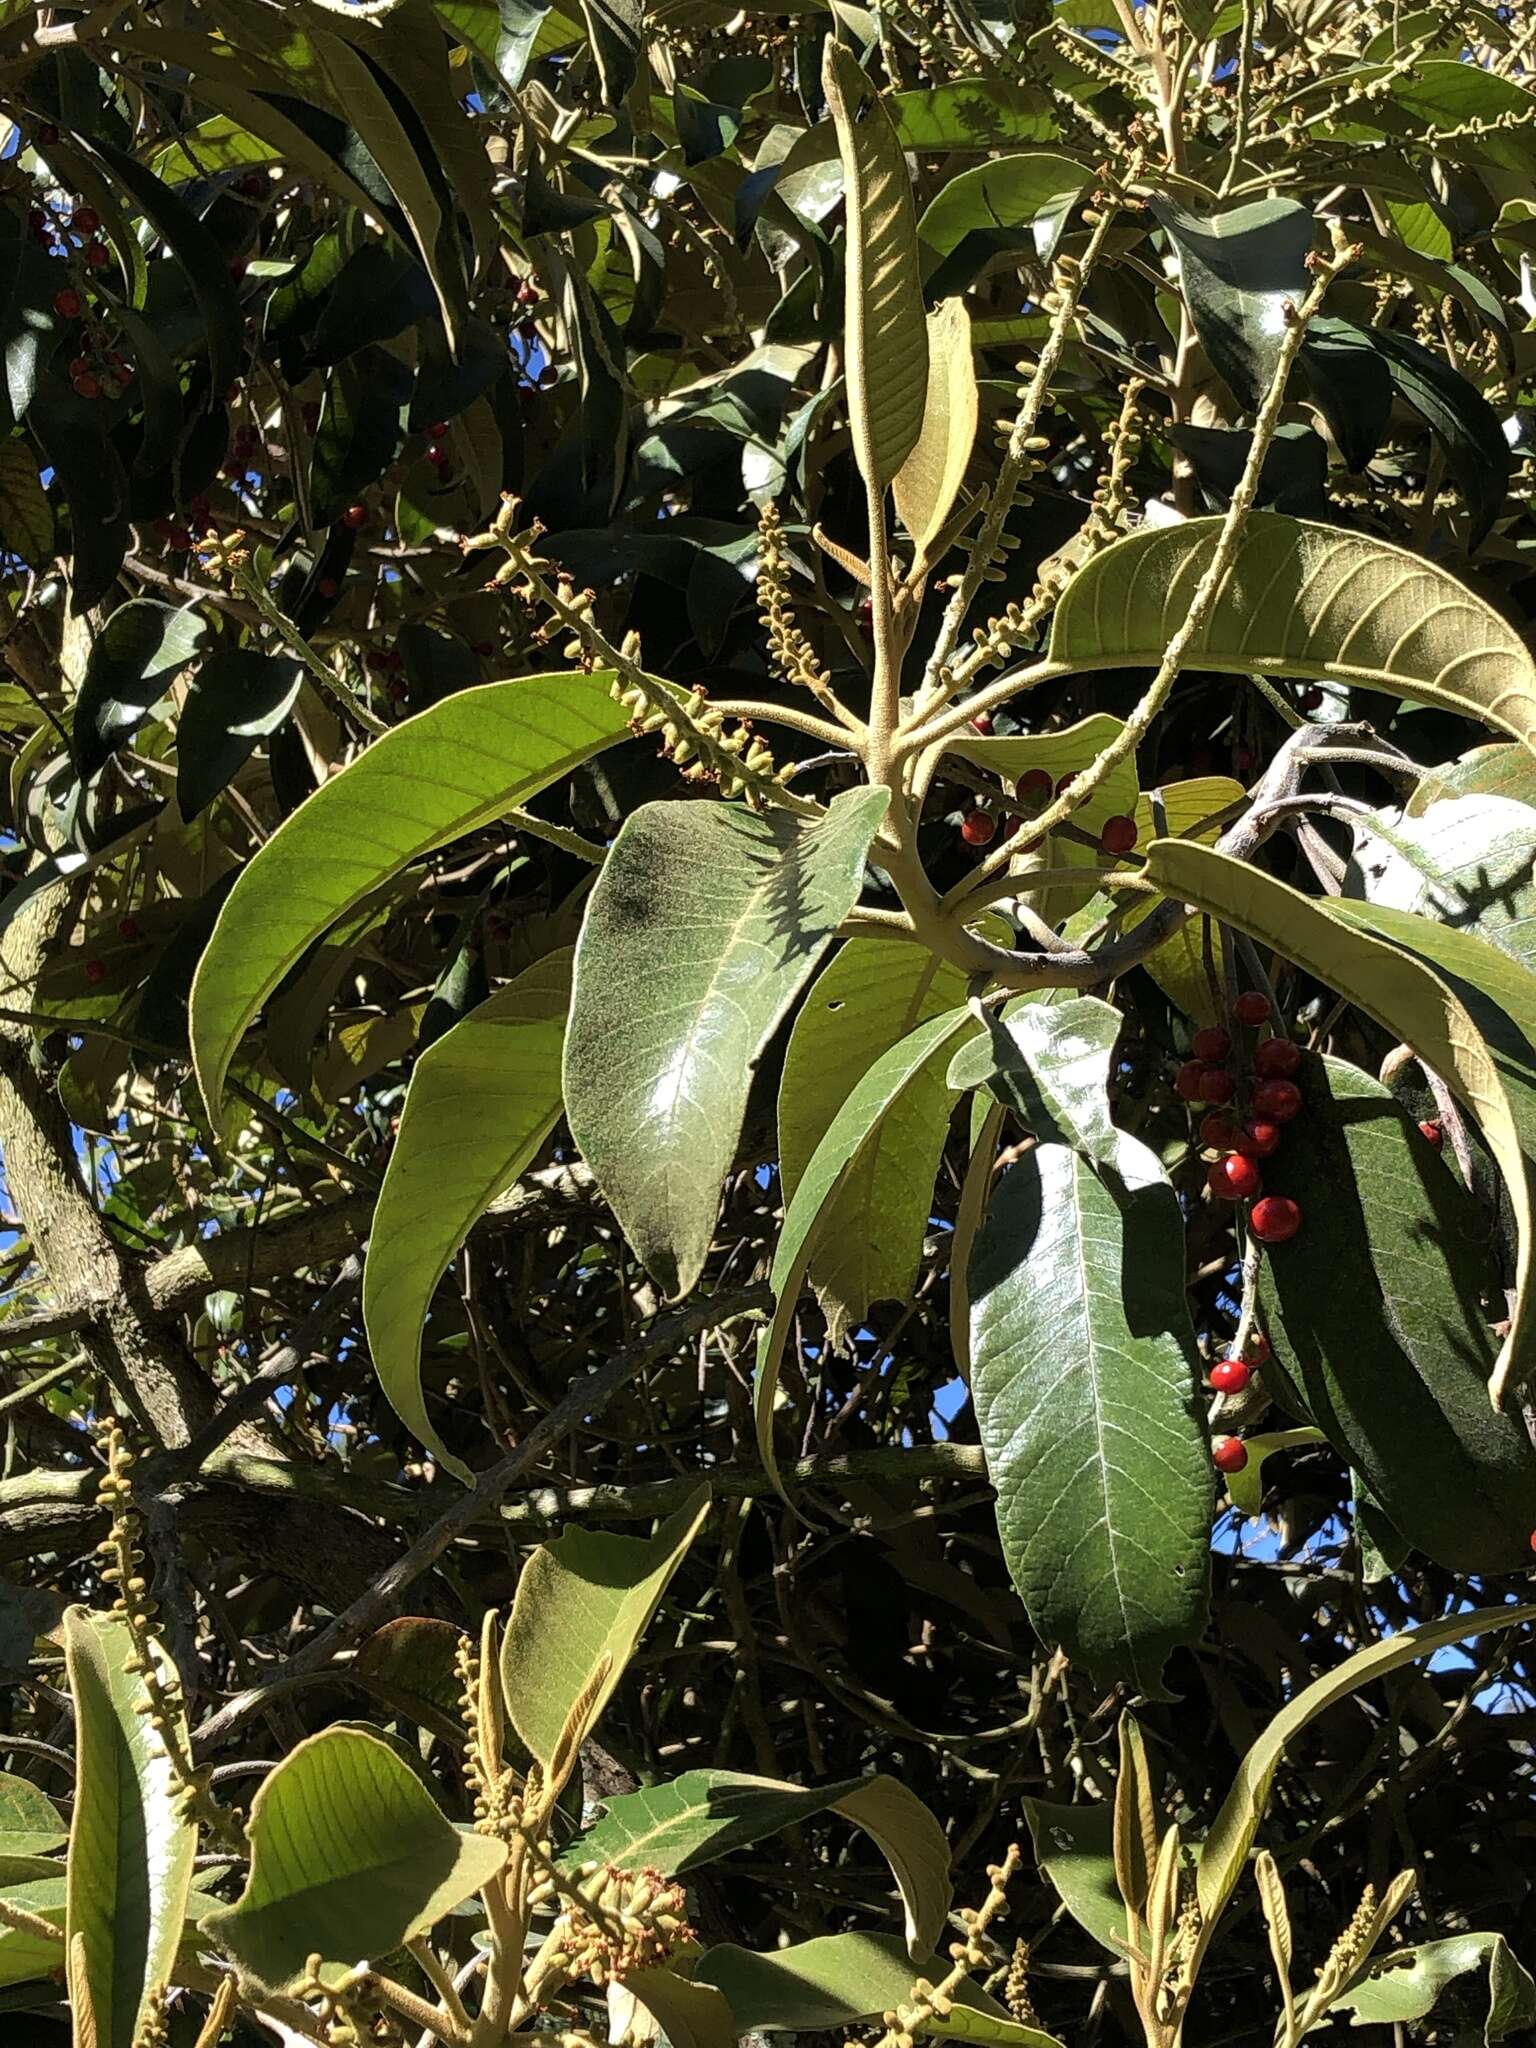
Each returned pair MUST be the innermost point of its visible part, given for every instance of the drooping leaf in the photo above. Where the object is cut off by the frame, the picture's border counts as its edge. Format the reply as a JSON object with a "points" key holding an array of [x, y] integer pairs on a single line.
{"points": [[350, 1857], [132, 1842], [836, 1980], [133, 661], [1049, 1064], [1301, 600], [841, 1152], [239, 696], [72, 434], [1460, 418], [482, 1100], [1084, 1374], [1407, 1983], [1225, 1850], [583, 1599], [459, 765], [928, 482], [1075, 1848], [687, 1822], [1239, 268], [690, 2015], [26, 519], [362, 424], [1468, 862], [703, 927], [29, 326], [1291, 476], [885, 335], [616, 30]]}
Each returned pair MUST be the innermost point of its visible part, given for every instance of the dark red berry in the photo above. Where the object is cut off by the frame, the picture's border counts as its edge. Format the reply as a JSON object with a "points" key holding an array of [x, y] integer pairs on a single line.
{"points": [[1189, 1081], [1434, 1133], [95, 970], [1274, 1219], [1118, 835], [179, 537], [68, 303], [310, 414], [1251, 1007], [1533, 1539], [86, 220], [80, 366], [96, 255], [981, 723], [978, 828], [440, 459], [1257, 1140], [328, 586], [1277, 1102], [437, 430], [1212, 1042], [1034, 785], [1234, 1179], [86, 386], [1230, 1376], [127, 927], [355, 516], [527, 293], [124, 375], [1229, 1454], [1217, 1085], [1276, 1058], [1310, 699], [1218, 1132]]}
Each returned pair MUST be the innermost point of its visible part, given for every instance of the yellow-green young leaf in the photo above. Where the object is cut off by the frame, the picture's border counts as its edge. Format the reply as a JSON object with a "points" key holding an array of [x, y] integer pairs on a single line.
{"points": [[928, 482], [885, 337], [468, 760], [873, 993], [1301, 599], [350, 1858], [1403, 996], [26, 1958], [690, 2015], [1247, 1487], [704, 925], [584, 1597], [29, 1821], [482, 1100], [131, 1845], [1225, 1850], [836, 1980], [26, 517]]}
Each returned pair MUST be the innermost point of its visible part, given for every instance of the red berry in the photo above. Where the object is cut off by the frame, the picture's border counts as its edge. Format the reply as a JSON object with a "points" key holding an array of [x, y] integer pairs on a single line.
{"points": [[1274, 1219], [1219, 1132], [1533, 1539], [979, 828], [1230, 1376], [1217, 1085], [981, 723], [95, 970], [1229, 1454], [1189, 1081], [395, 691], [437, 430], [1118, 835], [1211, 1043], [96, 255], [124, 376], [86, 386], [1258, 1140], [867, 614], [1251, 1007], [1034, 786], [1234, 1179], [527, 293], [1258, 1344], [1310, 699], [86, 221], [127, 927], [1277, 1101], [355, 516], [253, 185], [1276, 1058], [179, 537], [328, 586], [440, 459], [68, 303], [1434, 1133], [80, 366]]}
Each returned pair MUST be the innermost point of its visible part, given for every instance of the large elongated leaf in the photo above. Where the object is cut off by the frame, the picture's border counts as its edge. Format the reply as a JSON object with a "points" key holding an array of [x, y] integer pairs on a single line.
{"points": [[29, 1821], [1302, 600], [350, 1857], [1084, 1374], [1226, 1847], [928, 482], [704, 926], [1468, 862], [584, 1598], [1460, 418], [1075, 1847], [1406, 1984], [844, 1147], [132, 1844], [1049, 1063], [465, 762], [482, 1100], [838, 1979], [1388, 1334], [690, 2015], [133, 661], [1239, 268], [885, 336], [1009, 203], [238, 697], [1403, 995], [686, 1822]]}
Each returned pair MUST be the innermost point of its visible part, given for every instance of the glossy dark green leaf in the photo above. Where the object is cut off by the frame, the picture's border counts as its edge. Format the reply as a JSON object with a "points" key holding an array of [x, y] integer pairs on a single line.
{"points": [[1461, 420], [1389, 1334], [238, 697], [1085, 1378], [379, 291], [1349, 383], [26, 517], [704, 925], [72, 434], [1075, 1848], [1239, 268], [1049, 1063], [134, 659], [350, 1857], [1007, 204], [29, 326], [362, 424], [1291, 477]]}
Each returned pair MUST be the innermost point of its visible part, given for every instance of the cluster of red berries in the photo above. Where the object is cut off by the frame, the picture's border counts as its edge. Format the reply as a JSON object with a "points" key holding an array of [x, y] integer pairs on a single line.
{"points": [[437, 454], [1036, 787]]}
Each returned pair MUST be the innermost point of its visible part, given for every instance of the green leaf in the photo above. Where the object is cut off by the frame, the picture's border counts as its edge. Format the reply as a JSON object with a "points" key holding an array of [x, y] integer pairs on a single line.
{"points": [[843, 1152], [465, 762], [885, 337], [1247, 1487], [26, 1958], [1075, 1847], [238, 696], [706, 922], [362, 426], [132, 1843], [481, 1102], [1460, 418], [1027, 197], [350, 1858], [72, 434], [839, 1979], [1225, 1851], [1466, 862], [690, 2015], [1049, 1064], [1301, 600], [928, 482], [583, 1599], [26, 517], [1417, 1006], [1085, 1378], [29, 327], [29, 1821], [1406, 1984], [1239, 268], [132, 664], [693, 1820]]}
